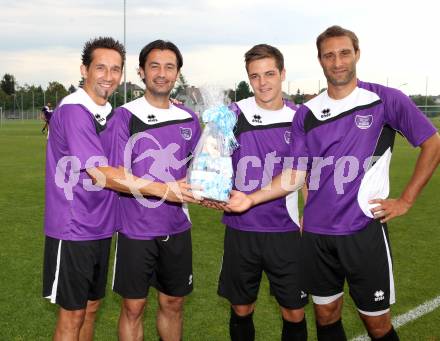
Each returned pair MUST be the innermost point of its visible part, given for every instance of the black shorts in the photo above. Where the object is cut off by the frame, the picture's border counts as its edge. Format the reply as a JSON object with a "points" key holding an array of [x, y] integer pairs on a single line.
{"points": [[75, 271], [164, 263], [363, 258], [248, 254]]}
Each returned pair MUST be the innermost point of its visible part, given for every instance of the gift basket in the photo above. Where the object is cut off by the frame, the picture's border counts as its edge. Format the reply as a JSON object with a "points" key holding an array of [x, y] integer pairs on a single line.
{"points": [[211, 167]]}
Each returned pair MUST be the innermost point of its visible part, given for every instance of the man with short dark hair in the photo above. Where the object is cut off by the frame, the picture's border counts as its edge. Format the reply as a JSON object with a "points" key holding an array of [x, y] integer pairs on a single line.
{"points": [[156, 137], [265, 238], [343, 139], [80, 214]]}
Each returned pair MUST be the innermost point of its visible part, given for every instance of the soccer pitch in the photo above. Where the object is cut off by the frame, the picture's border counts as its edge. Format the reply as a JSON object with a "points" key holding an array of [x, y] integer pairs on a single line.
{"points": [[415, 241]]}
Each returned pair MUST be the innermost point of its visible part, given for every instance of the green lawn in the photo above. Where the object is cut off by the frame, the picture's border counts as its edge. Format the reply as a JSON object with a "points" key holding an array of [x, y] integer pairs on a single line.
{"points": [[26, 316]]}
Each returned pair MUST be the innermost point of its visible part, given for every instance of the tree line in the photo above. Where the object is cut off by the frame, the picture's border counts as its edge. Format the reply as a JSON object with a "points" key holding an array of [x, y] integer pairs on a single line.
{"points": [[15, 98]]}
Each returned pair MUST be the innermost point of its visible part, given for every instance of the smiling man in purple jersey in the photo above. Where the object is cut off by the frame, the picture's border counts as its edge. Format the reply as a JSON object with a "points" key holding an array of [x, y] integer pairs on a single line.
{"points": [[80, 215], [265, 238], [343, 139], [154, 247]]}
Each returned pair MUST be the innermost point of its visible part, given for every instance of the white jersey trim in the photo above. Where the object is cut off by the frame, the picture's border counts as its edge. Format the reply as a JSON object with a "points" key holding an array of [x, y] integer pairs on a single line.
{"points": [[186, 211], [324, 107], [100, 112], [375, 184], [250, 108], [292, 206], [152, 115]]}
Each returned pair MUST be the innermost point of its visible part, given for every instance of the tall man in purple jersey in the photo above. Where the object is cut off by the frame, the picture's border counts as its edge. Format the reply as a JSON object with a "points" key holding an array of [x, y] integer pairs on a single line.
{"points": [[343, 139], [155, 139], [80, 216], [265, 238]]}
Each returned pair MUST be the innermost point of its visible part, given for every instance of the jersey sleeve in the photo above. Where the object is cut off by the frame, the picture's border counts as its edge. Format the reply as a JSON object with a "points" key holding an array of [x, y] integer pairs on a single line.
{"points": [[298, 142], [81, 137], [403, 115]]}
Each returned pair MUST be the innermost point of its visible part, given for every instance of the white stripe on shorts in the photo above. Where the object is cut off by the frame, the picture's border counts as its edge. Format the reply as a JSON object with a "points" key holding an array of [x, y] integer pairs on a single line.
{"points": [[114, 261], [53, 295], [326, 299], [390, 267]]}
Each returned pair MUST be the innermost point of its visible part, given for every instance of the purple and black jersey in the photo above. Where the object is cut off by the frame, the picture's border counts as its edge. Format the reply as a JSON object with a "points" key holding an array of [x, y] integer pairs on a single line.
{"points": [[47, 113], [264, 143], [346, 146], [155, 144], [75, 208]]}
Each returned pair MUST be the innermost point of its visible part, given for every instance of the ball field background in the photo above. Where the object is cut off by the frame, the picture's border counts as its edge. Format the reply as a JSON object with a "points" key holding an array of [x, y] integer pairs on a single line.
{"points": [[25, 315]]}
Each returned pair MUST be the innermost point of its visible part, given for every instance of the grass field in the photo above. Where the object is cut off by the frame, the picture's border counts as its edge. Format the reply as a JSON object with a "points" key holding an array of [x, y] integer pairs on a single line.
{"points": [[26, 316]]}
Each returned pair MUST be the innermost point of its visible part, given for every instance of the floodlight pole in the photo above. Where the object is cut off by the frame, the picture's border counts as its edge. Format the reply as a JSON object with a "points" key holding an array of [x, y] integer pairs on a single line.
{"points": [[426, 96], [125, 66]]}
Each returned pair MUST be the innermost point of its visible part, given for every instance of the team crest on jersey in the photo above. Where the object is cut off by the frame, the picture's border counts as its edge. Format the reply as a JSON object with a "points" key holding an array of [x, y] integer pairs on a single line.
{"points": [[287, 136], [186, 133], [363, 121]]}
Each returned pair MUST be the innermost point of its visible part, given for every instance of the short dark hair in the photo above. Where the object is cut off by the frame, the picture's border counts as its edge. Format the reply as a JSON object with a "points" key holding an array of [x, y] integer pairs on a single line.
{"points": [[261, 51], [160, 45], [337, 31], [101, 43]]}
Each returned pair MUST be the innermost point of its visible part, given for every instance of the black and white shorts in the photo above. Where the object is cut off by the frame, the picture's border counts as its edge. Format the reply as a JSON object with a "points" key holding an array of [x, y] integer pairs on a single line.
{"points": [[164, 263], [248, 254], [75, 271], [363, 258]]}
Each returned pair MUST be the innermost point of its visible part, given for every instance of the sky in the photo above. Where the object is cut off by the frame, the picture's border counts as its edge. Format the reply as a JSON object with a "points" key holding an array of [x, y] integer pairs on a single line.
{"points": [[41, 40]]}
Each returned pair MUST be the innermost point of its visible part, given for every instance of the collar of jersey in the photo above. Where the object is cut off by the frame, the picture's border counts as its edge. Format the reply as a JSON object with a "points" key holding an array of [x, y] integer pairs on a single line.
{"points": [[81, 97], [357, 98], [249, 107]]}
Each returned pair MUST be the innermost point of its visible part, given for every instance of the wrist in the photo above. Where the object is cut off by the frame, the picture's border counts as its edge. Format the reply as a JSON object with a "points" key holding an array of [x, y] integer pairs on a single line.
{"points": [[406, 201], [253, 199]]}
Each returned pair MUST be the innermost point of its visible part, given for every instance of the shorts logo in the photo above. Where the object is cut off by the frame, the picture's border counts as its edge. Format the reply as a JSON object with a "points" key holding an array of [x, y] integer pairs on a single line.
{"points": [[303, 294], [186, 133], [363, 122], [287, 136], [190, 280], [379, 296]]}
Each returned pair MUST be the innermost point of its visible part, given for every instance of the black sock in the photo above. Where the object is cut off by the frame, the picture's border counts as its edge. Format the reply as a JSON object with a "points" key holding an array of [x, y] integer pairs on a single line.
{"points": [[241, 328], [331, 332], [294, 331], [390, 336]]}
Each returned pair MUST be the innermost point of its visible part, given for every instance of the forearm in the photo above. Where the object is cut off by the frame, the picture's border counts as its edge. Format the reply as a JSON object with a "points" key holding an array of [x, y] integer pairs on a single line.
{"points": [[120, 180], [281, 185], [426, 164]]}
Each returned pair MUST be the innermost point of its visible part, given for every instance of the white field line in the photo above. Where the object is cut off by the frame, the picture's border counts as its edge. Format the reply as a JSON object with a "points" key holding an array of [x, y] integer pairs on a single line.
{"points": [[411, 315]]}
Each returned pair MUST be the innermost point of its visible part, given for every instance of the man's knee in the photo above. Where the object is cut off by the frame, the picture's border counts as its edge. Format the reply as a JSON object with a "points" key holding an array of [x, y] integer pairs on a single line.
{"points": [[377, 326], [328, 313], [71, 319], [171, 304], [243, 309], [292, 315], [92, 307], [133, 308]]}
